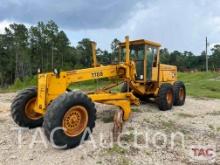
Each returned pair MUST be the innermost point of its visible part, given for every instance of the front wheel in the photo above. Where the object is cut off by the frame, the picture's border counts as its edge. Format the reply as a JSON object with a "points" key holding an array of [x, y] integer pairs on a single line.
{"points": [[22, 109], [165, 97], [69, 119]]}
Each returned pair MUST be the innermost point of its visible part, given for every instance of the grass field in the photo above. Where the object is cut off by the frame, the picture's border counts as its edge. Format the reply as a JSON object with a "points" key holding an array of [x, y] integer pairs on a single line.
{"points": [[93, 85], [199, 84]]}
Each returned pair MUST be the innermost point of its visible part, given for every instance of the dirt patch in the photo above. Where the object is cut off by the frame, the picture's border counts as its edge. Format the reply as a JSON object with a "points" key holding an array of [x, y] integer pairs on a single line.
{"points": [[198, 120], [5, 101]]}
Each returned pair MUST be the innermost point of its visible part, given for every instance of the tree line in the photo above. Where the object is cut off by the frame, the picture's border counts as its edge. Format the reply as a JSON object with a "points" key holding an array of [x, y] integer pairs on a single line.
{"points": [[25, 49], [187, 61]]}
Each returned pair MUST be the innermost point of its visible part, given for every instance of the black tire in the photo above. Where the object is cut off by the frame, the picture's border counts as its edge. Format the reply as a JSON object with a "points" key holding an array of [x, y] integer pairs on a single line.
{"points": [[18, 109], [162, 100], [55, 114], [179, 93]]}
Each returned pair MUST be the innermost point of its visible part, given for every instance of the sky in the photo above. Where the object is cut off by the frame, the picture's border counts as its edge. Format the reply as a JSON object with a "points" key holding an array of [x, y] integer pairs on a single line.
{"points": [[176, 24]]}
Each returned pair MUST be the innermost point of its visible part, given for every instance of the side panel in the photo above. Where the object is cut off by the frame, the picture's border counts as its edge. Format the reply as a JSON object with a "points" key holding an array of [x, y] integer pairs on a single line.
{"points": [[168, 73], [49, 87], [90, 73], [154, 73]]}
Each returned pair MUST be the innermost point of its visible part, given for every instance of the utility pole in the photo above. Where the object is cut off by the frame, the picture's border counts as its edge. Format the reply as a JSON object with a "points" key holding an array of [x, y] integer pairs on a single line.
{"points": [[206, 54]]}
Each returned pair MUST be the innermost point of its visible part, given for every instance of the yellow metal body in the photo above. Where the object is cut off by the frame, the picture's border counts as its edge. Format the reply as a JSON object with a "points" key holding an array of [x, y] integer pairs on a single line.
{"points": [[51, 85]]}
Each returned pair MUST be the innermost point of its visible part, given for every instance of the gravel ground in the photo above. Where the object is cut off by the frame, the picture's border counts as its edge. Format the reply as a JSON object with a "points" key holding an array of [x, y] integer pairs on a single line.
{"points": [[197, 122]]}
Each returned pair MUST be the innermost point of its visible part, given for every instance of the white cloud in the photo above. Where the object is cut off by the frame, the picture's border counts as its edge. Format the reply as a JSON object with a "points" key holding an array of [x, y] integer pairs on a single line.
{"points": [[178, 25], [3, 25], [6, 23]]}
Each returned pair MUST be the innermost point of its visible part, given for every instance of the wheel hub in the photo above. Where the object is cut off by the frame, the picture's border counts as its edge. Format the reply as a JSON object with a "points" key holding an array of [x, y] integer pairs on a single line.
{"points": [[75, 121], [181, 94], [169, 97], [29, 110]]}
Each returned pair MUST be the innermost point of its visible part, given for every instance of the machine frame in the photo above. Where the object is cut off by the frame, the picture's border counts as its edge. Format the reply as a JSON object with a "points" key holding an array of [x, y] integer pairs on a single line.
{"points": [[51, 85]]}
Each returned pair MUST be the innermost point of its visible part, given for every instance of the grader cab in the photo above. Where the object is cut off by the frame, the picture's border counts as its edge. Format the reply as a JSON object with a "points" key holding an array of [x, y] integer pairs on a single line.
{"points": [[67, 115]]}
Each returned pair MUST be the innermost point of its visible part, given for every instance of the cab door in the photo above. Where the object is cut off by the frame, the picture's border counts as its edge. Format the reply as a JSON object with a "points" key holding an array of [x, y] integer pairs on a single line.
{"points": [[151, 62], [140, 61]]}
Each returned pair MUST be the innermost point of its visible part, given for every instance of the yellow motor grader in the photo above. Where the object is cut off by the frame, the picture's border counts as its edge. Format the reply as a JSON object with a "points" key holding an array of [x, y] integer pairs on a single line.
{"points": [[65, 115]]}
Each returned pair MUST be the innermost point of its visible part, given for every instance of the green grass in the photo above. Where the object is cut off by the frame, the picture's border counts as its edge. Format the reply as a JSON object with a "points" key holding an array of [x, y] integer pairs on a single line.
{"points": [[92, 85], [116, 149], [136, 110], [185, 115], [19, 85], [168, 125], [128, 137], [211, 127], [217, 113], [108, 119], [124, 161], [201, 84]]}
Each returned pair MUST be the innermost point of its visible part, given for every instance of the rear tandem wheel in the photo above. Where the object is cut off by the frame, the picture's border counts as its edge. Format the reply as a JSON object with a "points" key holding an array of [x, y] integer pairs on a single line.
{"points": [[165, 97]]}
